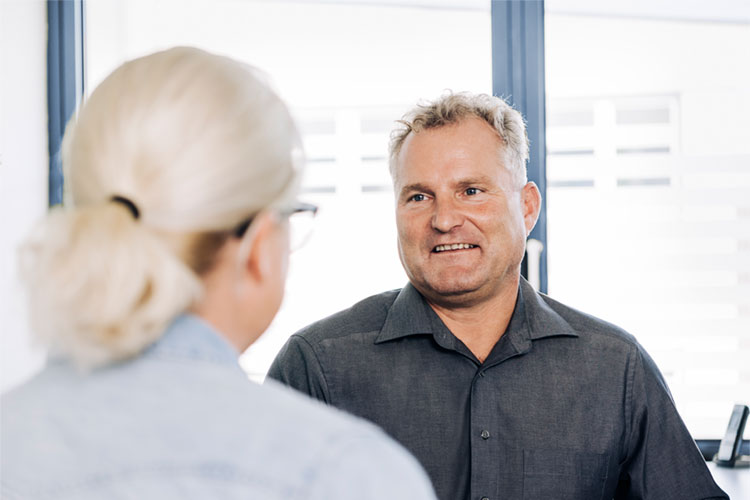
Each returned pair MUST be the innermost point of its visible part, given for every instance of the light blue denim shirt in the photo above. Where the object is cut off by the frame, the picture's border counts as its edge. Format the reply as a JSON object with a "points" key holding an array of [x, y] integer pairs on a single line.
{"points": [[183, 421]]}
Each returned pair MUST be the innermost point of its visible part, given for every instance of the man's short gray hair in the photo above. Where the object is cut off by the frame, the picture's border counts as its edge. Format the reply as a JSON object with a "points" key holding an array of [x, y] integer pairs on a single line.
{"points": [[451, 109]]}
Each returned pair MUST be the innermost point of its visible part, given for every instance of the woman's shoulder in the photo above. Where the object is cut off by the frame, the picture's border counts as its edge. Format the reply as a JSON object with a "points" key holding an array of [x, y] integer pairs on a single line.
{"points": [[137, 421]]}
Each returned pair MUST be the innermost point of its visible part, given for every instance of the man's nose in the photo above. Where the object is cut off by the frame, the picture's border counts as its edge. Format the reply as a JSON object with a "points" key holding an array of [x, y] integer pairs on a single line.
{"points": [[446, 216]]}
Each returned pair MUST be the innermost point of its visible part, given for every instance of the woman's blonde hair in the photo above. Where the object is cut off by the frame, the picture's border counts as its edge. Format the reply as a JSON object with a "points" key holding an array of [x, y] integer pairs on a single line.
{"points": [[198, 143]]}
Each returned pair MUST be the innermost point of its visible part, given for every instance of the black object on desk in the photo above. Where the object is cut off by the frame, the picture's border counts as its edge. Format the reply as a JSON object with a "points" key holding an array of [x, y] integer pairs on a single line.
{"points": [[728, 455]]}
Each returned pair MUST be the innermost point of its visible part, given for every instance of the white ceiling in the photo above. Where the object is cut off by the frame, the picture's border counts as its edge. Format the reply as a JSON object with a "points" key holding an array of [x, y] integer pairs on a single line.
{"points": [[732, 11]]}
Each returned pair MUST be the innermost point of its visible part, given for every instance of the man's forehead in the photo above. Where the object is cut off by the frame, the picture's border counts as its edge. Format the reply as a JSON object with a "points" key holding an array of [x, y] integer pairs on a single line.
{"points": [[470, 126], [468, 135], [427, 153]]}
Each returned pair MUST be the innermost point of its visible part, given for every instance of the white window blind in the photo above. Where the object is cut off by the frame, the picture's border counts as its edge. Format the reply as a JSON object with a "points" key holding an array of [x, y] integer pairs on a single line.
{"points": [[649, 194]]}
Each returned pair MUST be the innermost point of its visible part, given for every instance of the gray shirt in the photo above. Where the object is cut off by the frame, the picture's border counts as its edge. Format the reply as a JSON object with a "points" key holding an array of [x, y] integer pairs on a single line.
{"points": [[182, 421], [566, 406]]}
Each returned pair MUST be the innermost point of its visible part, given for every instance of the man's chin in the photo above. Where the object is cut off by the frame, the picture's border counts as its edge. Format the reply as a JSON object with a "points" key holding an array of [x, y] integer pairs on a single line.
{"points": [[454, 291], [459, 293], [452, 294]]}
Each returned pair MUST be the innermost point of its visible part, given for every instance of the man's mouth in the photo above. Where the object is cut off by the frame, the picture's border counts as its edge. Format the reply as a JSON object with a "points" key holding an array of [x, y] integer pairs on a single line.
{"points": [[453, 246]]}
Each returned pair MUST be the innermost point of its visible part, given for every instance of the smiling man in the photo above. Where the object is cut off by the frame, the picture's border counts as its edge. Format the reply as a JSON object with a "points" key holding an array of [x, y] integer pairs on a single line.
{"points": [[499, 391]]}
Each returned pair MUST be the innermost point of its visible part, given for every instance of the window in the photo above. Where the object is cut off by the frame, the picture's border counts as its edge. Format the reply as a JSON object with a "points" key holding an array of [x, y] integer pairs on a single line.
{"points": [[648, 198]]}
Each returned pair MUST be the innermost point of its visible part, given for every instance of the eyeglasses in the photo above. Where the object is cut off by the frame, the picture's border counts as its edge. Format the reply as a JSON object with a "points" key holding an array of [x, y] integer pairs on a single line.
{"points": [[300, 217]]}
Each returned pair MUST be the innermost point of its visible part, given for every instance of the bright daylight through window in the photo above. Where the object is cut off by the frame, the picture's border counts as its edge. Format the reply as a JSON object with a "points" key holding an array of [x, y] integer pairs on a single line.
{"points": [[648, 169]]}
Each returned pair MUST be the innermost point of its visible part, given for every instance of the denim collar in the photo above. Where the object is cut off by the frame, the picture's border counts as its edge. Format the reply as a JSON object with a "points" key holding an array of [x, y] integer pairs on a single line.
{"points": [[532, 319], [189, 337]]}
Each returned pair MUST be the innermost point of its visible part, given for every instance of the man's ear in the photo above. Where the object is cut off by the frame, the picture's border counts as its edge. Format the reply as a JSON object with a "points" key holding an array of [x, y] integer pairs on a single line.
{"points": [[531, 201], [259, 259]]}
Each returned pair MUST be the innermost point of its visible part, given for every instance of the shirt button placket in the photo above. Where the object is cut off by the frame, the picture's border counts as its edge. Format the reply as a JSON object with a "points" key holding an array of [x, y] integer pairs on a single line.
{"points": [[482, 453]]}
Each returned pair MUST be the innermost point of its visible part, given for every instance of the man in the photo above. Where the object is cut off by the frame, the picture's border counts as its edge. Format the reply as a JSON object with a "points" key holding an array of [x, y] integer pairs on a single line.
{"points": [[499, 391]]}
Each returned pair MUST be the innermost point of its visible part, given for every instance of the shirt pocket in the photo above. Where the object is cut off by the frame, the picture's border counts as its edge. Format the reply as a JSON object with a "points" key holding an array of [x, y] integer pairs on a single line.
{"points": [[563, 474]]}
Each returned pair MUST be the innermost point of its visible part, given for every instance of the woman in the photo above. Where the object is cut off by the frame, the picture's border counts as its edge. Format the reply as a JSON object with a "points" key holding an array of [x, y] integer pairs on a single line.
{"points": [[182, 171]]}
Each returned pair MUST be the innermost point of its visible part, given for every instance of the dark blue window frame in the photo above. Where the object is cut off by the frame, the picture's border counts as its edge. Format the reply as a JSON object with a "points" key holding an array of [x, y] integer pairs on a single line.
{"points": [[65, 77], [518, 76]]}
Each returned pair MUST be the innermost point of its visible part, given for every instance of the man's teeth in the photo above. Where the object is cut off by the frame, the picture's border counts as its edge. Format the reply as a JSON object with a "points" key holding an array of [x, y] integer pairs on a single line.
{"points": [[454, 246]]}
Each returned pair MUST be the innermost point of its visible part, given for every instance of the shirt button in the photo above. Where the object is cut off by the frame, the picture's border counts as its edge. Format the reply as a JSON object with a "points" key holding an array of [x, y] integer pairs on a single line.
{"points": [[485, 435]]}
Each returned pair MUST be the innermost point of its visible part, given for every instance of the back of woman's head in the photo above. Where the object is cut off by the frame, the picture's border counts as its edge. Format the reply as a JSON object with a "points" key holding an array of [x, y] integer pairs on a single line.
{"points": [[197, 143]]}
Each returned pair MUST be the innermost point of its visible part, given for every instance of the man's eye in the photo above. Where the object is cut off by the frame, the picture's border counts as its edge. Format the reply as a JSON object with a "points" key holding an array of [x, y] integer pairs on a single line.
{"points": [[472, 191], [417, 197]]}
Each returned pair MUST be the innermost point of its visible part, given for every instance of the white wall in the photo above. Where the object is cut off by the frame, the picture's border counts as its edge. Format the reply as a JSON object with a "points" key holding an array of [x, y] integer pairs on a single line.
{"points": [[23, 170]]}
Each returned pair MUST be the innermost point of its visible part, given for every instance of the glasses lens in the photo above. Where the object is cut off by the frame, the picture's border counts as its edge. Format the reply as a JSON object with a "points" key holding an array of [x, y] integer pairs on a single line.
{"points": [[300, 229]]}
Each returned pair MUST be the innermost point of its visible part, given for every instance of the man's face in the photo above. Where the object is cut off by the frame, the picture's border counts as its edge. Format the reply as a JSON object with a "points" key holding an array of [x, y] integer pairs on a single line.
{"points": [[462, 220]]}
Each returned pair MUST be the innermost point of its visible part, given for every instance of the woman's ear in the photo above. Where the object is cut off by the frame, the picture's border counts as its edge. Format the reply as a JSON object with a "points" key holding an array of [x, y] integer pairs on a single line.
{"points": [[263, 269], [245, 289], [267, 244]]}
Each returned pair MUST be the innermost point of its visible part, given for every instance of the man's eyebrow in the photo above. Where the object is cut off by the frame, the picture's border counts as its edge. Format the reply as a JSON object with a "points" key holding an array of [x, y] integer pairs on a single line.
{"points": [[416, 186], [481, 180], [473, 181]]}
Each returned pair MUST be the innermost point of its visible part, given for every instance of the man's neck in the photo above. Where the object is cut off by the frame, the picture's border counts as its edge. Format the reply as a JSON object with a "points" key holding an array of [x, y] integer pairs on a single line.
{"points": [[479, 326]]}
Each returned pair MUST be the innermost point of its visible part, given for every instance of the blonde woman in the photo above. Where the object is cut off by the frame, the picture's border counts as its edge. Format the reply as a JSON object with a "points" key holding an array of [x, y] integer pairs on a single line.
{"points": [[169, 261]]}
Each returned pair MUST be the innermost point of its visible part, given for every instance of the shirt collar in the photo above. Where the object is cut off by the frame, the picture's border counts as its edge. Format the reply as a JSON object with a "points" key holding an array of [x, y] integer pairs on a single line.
{"points": [[409, 315], [532, 319], [190, 337], [541, 320]]}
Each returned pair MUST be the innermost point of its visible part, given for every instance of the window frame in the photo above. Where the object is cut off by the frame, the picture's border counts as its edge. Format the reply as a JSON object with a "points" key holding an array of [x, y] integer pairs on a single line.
{"points": [[518, 76], [65, 81]]}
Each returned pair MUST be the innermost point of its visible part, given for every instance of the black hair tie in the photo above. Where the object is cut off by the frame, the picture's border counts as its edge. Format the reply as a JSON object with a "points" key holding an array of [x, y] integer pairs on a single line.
{"points": [[129, 204]]}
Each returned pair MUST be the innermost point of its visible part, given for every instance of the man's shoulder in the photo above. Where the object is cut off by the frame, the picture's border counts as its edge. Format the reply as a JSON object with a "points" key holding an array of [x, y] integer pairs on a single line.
{"points": [[366, 316], [591, 328]]}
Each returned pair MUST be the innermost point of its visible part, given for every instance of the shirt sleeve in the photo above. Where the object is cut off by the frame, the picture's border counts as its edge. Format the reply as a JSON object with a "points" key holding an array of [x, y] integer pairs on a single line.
{"points": [[662, 460], [298, 367], [370, 469]]}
